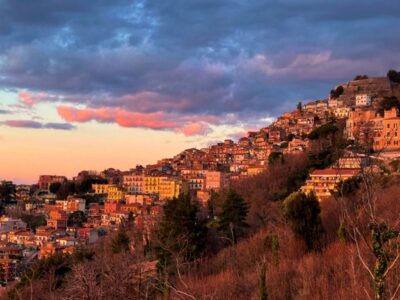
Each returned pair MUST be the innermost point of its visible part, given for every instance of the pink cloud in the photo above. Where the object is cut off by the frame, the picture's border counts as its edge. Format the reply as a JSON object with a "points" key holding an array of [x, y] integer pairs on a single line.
{"points": [[196, 128], [188, 125], [30, 99]]}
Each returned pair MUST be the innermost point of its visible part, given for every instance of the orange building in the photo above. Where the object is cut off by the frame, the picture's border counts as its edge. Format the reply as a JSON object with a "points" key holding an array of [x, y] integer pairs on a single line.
{"points": [[57, 219], [387, 134]]}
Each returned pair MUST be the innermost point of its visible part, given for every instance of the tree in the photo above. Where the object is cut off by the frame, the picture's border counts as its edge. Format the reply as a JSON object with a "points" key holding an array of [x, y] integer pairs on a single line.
{"points": [[393, 76], [7, 192], [303, 213], [54, 187], [67, 188], [274, 157], [299, 106], [76, 219], [263, 295], [360, 77], [181, 233], [121, 242], [388, 103], [232, 220], [34, 221], [323, 131], [337, 92]]}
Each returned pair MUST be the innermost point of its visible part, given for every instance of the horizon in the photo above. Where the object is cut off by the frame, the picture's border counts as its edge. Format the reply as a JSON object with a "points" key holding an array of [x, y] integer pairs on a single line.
{"points": [[87, 87]]}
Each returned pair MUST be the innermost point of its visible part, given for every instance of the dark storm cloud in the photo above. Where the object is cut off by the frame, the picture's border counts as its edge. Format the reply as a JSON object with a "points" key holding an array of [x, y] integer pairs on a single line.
{"points": [[201, 57]]}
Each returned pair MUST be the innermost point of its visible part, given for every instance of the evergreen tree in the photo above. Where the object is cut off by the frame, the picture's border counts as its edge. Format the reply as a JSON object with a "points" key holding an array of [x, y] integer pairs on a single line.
{"points": [[303, 213], [232, 220], [181, 232]]}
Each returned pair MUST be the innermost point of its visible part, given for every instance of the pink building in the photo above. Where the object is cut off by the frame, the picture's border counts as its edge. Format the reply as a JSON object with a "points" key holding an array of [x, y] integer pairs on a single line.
{"points": [[215, 180]]}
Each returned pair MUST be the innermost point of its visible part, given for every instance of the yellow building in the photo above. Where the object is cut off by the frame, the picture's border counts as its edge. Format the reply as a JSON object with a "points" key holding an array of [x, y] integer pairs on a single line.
{"points": [[169, 188], [323, 182], [151, 184], [115, 194], [100, 189]]}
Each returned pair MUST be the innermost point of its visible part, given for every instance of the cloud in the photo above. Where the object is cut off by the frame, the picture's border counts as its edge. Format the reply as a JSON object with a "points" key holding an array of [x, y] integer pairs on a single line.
{"points": [[37, 125], [4, 111], [30, 99], [187, 124], [196, 128], [149, 57]]}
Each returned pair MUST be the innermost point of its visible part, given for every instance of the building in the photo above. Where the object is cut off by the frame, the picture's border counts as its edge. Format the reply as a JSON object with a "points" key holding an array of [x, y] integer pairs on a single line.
{"points": [[133, 183], [57, 219], [323, 182], [115, 193], [46, 180], [8, 224], [169, 188], [357, 122], [215, 180], [363, 100], [387, 132], [100, 189]]}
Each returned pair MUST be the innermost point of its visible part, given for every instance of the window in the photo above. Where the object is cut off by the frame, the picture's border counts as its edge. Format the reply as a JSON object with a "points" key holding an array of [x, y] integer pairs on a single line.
{"points": [[388, 126]]}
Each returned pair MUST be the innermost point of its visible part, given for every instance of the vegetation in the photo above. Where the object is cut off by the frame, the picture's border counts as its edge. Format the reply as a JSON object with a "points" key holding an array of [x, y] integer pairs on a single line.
{"points": [[232, 220], [393, 76], [360, 77], [303, 213], [388, 103], [337, 92]]}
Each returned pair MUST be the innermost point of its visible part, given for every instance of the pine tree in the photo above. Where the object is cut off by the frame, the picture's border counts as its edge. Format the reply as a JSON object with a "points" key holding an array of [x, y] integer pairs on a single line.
{"points": [[232, 220], [180, 233]]}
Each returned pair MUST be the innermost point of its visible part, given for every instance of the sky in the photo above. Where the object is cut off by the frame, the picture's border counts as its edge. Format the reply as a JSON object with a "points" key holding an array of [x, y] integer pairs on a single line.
{"points": [[98, 84]]}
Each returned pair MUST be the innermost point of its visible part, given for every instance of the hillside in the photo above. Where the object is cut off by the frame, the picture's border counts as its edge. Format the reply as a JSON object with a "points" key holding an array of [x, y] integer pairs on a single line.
{"points": [[262, 236]]}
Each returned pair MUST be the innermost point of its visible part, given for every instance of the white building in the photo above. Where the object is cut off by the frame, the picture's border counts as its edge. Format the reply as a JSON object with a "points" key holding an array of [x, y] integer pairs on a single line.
{"points": [[363, 100]]}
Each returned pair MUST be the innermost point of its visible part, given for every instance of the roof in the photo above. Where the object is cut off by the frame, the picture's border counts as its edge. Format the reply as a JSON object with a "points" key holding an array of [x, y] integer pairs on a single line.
{"points": [[336, 172]]}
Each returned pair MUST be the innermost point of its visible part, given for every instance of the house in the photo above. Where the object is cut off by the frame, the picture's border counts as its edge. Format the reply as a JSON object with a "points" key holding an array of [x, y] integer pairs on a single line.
{"points": [[357, 121], [57, 219], [8, 223], [363, 100], [323, 182], [387, 131]]}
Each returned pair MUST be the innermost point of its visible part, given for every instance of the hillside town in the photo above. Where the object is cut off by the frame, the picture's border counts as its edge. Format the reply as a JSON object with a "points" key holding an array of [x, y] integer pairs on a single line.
{"points": [[58, 214]]}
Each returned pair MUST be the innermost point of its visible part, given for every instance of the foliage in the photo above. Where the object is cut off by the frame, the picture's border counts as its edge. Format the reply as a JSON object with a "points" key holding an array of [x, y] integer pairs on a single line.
{"points": [[54, 187], [7, 192], [349, 186], [66, 189], [303, 213], [120, 242], [337, 92], [381, 236], [393, 76], [181, 232], [34, 221], [232, 220], [272, 243], [76, 219], [388, 103], [275, 157], [323, 131], [299, 106], [360, 77]]}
